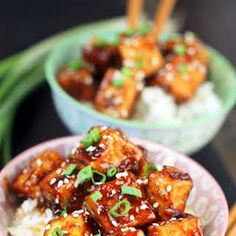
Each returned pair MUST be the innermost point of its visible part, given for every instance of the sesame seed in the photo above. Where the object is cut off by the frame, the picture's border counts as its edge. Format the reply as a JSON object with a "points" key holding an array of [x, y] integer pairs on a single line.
{"points": [[114, 223], [59, 184], [58, 171], [91, 148], [156, 204], [66, 181], [168, 188], [48, 227], [122, 174], [131, 217], [53, 181], [38, 162]]}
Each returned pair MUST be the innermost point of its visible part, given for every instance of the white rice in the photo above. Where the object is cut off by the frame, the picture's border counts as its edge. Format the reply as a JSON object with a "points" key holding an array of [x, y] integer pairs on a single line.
{"points": [[155, 105], [29, 220]]}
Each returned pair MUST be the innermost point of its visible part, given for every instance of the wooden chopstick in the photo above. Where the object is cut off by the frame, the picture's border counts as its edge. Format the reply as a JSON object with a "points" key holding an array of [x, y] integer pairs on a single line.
{"points": [[231, 230], [162, 14], [134, 9]]}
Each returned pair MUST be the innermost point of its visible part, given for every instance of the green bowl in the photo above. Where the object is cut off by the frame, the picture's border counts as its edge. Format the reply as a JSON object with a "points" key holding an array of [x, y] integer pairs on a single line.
{"points": [[186, 137]]}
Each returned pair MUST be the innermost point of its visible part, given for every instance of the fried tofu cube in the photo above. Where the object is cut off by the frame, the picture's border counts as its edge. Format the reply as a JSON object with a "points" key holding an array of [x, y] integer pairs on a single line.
{"points": [[26, 184], [118, 93], [58, 189], [181, 78], [101, 57], [113, 149], [128, 231], [141, 53], [114, 210], [187, 46], [73, 225], [168, 191], [188, 226], [78, 83]]}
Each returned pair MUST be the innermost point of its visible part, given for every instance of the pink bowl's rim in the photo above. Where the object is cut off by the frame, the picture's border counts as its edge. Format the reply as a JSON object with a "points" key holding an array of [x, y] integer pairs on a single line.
{"points": [[28, 152]]}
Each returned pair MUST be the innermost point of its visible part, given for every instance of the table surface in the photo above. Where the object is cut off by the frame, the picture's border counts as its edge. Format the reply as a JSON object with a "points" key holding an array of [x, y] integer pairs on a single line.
{"points": [[25, 22]]}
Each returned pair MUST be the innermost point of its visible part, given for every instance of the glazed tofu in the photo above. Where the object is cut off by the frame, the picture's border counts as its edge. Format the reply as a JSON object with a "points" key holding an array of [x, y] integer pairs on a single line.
{"points": [[187, 46], [141, 53], [128, 231], [101, 56], [188, 226], [73, 225], [26, 184], [118, 93], [78, 83], [168, 191], [181, 78], [138, 213], [113, 149], [58, 188]]}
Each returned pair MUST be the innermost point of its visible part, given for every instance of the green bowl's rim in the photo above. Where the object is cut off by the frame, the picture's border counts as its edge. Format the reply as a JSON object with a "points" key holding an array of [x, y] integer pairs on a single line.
{"points": [[68, 42]]}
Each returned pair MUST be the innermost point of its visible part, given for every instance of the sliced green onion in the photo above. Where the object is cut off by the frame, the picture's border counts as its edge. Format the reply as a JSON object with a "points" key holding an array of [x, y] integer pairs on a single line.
{"points": [[126, 72], [64, 211], [99, 234], [100, 42], [101, 175], [57, 232], [130, 32], [131, 191], [75, 64], [139, 63], [180, 49], [148, 168], [144, 29], [125, 203], [95, 135], [118, 82], [87, 140], [83, 176], [115, 41], [96, 196], [70, 169], [111, 172], [183, 69]]}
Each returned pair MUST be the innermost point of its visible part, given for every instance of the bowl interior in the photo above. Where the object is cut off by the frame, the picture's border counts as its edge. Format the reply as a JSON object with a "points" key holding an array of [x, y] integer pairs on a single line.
{"points": [[221, 73], [206, 199]]}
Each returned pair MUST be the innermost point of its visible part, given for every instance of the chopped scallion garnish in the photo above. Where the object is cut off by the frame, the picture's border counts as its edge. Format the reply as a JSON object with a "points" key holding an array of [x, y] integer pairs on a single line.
{"points": [[130, 32], [96, 196], [131, 191], [183, 69], [139, 63], [87, 140], [101, 176], [144, 29], [111, 172], [118, 82], [124, 204], [115, 41], [148, 168], [180, 49], [127, 72], [95, 135], [75, 64], [57, 232], [70, 169], [83, 176], [100, 42]]}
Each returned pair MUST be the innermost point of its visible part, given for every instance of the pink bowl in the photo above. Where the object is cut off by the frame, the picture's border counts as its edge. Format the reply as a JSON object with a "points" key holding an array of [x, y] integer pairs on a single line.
{"points": [[206, 199]]}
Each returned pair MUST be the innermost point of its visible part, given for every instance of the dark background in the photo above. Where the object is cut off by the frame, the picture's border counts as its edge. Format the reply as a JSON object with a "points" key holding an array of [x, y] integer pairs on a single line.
{"points": [[24, 22]]}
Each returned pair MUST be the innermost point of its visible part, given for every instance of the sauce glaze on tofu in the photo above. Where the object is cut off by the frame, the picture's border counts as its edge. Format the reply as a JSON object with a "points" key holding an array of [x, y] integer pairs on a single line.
{"points": [[105, 186], [179, 66]]}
